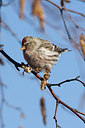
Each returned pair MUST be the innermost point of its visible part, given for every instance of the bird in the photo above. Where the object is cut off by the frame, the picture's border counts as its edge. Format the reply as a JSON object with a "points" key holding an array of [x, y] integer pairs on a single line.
{"points": [[41, 54]]}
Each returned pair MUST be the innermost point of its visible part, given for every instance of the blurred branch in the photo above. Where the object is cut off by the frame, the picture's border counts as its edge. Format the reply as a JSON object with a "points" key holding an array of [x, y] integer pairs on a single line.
{"points": [[61, 8], [4, 102], [76, 25], [38, 11], [1, 104], [5, 4], [22, 8], [43, 109], [69, 35], [1, 61], [82, 44], [22, 65], [2, 4], [11, 106], [82, 0], [9, 29]]}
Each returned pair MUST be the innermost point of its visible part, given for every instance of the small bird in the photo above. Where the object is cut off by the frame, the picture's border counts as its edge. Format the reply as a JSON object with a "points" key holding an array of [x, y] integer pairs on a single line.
{"points": [[41, 54]]}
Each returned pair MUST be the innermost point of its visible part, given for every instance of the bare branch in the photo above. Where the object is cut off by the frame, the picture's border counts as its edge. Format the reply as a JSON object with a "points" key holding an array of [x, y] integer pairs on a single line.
{"points": [[69, 80], [50, 89], [79, 112], [10, 30], [55, 116], [69, 36], [76, 25], [67, 106], [61, 8]]}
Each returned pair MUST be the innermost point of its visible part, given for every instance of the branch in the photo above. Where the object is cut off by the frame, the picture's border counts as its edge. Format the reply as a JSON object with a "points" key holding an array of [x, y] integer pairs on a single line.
{"points": [[11, 60], [66, 28], [80, 112], [55, 116], [69, 36], [67, 106], [61, 8], [72, 20], [69, 80], [9, 29], [17, 65]]}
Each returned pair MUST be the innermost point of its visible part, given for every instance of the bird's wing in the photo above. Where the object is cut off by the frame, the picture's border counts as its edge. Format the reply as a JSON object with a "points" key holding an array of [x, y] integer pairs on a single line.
{"points": [[46, 45], [46, 48]]}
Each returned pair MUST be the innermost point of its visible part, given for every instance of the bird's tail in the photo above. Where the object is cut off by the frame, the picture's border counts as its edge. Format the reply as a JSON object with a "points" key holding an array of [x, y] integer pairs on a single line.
{"points": [[66, 50]]}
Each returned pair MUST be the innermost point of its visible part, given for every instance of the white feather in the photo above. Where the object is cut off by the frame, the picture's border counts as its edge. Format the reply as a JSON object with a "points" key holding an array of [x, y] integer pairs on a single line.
{"points": [[48, 52]]}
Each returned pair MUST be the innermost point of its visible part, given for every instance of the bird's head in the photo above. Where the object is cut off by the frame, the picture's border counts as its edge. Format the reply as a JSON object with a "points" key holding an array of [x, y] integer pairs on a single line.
{"points": [[28, 43], [24, 43]]}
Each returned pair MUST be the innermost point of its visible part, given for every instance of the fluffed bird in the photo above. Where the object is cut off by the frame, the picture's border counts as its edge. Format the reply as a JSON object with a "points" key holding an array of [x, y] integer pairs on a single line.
{"points": [[40, 53]]}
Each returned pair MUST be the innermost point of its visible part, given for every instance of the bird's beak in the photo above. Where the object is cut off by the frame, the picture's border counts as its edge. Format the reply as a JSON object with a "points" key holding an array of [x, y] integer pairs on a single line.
{"points": [[23, 48]]}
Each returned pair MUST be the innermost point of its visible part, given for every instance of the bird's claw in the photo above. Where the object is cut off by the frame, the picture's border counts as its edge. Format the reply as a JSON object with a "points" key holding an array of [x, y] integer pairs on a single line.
{"points": [[46, 76], [28, 69], [38, 70]]}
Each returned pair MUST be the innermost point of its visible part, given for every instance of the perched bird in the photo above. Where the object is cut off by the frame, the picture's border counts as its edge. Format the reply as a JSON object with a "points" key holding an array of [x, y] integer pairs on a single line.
{"points": [[41, 54]]}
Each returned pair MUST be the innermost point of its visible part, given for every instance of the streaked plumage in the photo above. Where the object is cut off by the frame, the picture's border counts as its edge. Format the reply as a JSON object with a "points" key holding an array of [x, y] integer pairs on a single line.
{"points": [[40, 53]]}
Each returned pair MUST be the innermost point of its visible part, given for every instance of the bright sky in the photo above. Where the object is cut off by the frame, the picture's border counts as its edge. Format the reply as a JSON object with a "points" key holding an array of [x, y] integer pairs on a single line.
{"points": [[24, 91]]}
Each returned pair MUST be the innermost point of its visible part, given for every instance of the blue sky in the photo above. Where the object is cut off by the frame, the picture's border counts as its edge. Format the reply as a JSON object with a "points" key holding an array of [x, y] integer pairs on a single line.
{"points": [[24, 91]]}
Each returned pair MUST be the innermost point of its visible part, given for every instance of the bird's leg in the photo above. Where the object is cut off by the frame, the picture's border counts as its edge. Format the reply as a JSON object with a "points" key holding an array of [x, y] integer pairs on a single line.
{"points": [[46, 77], [46, 73], [48, 70]]}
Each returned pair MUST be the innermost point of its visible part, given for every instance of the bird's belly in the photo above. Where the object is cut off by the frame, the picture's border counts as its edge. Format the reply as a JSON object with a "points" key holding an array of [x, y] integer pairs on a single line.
{"points": [[39, 61]]}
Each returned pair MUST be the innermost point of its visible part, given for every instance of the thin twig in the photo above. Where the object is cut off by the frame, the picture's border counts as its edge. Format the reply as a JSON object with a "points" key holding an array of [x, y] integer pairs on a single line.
{"points": [[75, 12], [69, 36], [67, 106], [12, 106], [55, 116], [54, 4], [1, 107], [76, 25], [6, 4], [61, 8], [80, 112], [10, 30], [69, 80]]}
